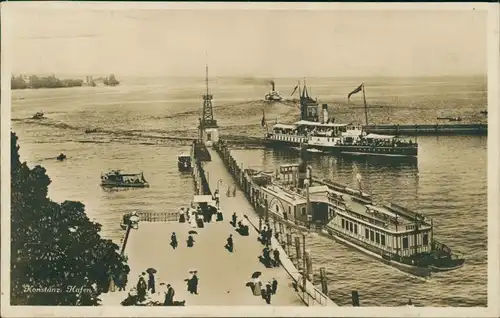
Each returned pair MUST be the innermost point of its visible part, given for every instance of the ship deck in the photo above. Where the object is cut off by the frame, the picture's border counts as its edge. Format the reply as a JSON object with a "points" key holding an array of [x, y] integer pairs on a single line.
{"points": [[361, 208]]}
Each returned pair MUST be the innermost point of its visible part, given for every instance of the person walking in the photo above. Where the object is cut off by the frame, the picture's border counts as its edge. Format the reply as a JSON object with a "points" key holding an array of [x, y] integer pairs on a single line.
{"points": [[173, 241], [268, 293], [276, 255], [234, 218], [141, 289], [229, 245], [274, 286], [151, 283], [169, 296]]}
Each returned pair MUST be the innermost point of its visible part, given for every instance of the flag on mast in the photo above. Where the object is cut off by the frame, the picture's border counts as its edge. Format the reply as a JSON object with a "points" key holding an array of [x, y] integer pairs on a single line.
{"points": [[297, 86], [357, 90], [263, 121]]}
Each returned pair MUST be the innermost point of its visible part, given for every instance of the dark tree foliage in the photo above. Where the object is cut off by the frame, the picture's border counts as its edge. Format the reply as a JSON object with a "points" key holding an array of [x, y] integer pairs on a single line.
{"points": [[54, 247]]}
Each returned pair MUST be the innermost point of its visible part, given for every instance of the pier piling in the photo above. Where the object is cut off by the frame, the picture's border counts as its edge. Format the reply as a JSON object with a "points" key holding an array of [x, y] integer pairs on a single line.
{"points": [[355, 298], [297, 251], [324, 285]]}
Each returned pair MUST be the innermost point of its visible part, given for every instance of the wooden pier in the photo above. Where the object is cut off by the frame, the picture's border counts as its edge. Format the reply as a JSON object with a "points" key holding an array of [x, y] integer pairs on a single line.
{"points": [[428, 129], [223, 275]]}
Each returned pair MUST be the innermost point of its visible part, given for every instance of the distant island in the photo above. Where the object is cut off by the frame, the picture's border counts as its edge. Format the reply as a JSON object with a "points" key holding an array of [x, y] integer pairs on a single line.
{"points": [[35, 82]]}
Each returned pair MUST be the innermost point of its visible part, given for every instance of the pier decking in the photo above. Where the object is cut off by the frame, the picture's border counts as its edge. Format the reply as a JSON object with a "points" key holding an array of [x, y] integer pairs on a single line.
{"points": [[222, 275]]}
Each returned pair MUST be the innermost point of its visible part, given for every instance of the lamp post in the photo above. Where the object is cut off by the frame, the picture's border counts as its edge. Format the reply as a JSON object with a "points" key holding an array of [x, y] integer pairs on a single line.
{"points": [[308, 203], [218, 182]]}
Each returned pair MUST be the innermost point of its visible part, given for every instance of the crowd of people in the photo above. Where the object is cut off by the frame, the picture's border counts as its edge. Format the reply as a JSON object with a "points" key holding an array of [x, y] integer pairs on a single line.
{"points": [[146, 293], [265, 291]]}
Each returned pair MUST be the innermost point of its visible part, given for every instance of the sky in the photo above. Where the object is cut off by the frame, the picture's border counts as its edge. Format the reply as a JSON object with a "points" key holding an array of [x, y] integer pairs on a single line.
{"points": [[279, 43]]}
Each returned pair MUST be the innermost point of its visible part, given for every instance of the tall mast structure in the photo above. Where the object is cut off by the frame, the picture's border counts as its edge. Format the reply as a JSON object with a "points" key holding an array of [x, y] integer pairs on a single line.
{"points": [[207, 117]]}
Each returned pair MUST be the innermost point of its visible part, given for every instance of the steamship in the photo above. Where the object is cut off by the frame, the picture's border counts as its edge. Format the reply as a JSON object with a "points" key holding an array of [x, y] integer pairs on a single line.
{"points": [[390, 233], [273, 95], [326, 136]]}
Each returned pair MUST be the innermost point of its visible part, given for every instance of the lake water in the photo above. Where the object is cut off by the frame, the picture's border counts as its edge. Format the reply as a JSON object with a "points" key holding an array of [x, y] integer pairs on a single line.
{"points": [[448, 183]]}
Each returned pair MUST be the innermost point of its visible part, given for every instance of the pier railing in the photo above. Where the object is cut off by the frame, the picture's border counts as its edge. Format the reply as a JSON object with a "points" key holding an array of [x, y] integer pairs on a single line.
{"points": [[158, 216]]}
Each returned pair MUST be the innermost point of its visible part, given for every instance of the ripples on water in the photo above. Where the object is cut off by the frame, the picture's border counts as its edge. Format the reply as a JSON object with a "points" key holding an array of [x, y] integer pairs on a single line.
{"points": [[448, 183]]}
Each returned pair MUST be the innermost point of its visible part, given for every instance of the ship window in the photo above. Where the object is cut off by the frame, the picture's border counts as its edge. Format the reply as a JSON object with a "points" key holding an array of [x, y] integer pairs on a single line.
{"points": [[372, 235], [350, 226], [377, 237], [367, 234], [343, 223], [425, 239], [382, 239], [356, 228], [405, 242]]}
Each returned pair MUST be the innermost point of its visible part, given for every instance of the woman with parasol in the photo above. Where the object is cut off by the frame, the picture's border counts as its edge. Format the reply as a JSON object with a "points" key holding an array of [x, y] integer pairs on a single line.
{"points": [[151, 281], [190, 241]]}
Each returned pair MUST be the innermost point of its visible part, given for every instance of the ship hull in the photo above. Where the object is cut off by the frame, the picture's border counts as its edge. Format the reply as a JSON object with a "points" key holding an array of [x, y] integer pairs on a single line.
{"points": [[394, 152], [124, 185]]}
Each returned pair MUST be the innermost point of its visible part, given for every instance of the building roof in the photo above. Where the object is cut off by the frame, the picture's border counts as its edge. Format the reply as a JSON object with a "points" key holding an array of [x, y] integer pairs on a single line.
{"points": [[317, 124], [285, 195], [376, 136], [283, 126]]}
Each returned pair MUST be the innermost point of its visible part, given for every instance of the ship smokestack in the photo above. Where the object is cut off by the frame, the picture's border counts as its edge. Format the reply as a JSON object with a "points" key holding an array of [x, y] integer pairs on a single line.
{"points": [[272, 84], [325, 113]]}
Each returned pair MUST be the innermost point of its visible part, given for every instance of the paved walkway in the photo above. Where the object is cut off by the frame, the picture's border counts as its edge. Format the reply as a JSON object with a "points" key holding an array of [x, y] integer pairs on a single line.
{"points": [[241, 206], [222, 275]]}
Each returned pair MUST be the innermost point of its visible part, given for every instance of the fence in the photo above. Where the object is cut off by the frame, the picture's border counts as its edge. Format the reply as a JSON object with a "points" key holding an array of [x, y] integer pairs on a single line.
{"points": [[158, 216]]}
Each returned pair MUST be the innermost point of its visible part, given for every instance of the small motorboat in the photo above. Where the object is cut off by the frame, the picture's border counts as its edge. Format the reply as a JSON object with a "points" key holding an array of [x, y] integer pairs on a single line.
{"points": [[61, 157], [117, 179], [184, 162], [90, 130], [38, 115]]}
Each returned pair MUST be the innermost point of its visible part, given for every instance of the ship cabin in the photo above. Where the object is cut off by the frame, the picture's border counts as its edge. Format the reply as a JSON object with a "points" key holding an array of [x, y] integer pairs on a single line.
{"points": [[287, 134], [390, 230], [309, 107]]}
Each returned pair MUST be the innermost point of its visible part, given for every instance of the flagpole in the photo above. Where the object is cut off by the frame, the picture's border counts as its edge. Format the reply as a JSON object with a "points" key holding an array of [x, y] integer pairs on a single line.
{"points": [[364, 100]]}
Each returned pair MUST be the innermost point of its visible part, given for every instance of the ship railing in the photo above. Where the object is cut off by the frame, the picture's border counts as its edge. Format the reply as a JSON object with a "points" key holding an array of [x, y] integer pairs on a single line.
{"points": [[158, 216]]}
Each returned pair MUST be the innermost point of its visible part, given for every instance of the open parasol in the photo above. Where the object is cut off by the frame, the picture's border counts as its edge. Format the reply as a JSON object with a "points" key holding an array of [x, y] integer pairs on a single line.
{"points": [[151, 271], [193, 232], [256, 274]]}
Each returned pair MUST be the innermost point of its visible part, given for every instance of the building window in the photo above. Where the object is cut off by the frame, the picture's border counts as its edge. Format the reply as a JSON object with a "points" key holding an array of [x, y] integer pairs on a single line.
{"points": [[355, 228], [343, 223], [425, 239], [405, 242], [367, 234], [372, 235], [350, 226], [277, 209], [303, 211], [377, 238], [382, 239]]}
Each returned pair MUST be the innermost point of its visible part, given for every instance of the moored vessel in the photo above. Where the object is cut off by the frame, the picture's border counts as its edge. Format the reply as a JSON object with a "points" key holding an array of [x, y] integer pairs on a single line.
{"points": [[326, 136], [388, 232], [184, 162], [117, 179]]}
